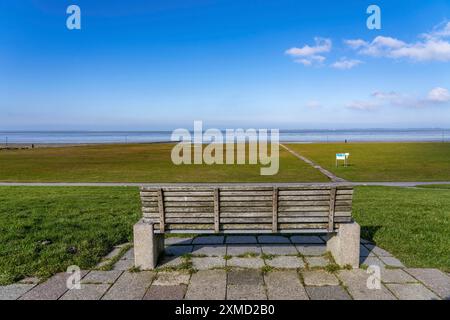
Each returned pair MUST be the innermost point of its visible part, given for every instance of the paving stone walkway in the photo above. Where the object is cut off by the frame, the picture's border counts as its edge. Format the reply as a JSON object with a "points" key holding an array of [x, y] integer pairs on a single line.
{"points": [[324, 171], [239, 268]]}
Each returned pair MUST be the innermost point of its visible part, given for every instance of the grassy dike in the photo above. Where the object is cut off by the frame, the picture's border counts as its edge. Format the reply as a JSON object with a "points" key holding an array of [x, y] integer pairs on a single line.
{"points": [[45, 229]]}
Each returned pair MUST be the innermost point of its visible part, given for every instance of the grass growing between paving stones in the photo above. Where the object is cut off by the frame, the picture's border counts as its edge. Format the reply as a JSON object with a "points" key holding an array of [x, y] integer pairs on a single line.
{"points": [[383, 161], [43, 230], [109, 264], [411, 223], [136, 163]]}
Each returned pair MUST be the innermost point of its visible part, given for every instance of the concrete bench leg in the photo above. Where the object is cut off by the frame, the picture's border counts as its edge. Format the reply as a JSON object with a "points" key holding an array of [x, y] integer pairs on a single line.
{"points": [[148, 246], [344, 245]]}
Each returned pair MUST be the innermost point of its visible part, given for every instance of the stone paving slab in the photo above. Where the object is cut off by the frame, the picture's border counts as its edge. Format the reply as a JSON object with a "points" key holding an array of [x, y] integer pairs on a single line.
{"points": [[246, 292], [327, 293], [237, 250], [208, 240], [253, 263], [284, 285], [370, 260], [307, 240], [285, 262], [52, 289], [283, 249], [208, 263], [102, 277], [434, 279], [245, 285], [241, 240], [207, 285], [14, 291], [210, 251], [123, 265], [178, 241], [319, 278], [129, 255], [392, 262], [170, 262], [113, 253], [171, 278], [245, 277], [412, 291], [311, 249], [314, 262], [377, 250], [396, 276], [130, 286], [364, 252], [273, 239], [86, 292], [165, 292], [177, 250], [356, 283]]}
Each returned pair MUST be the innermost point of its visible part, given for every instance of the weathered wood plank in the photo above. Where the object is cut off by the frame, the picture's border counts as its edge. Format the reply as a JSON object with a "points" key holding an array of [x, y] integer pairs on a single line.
{"points": [[188, 199], [246, 193], [310, 219], [323, 192], [188, 193], [245, 209], [188, 204], [344, 192], [331, 213], [305, 208], [245, 214], [245, 198], [182, 215], [161, 210], [257, 220], [246, 204], [190, 210], [275, 210], [216, 210], [252, 226], [344, 197]]}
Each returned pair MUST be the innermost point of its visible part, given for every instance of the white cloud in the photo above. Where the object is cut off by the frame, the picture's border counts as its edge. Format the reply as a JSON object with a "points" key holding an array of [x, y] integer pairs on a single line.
{"points": [[313, 104], [345, 64], [363, 105], [356, 44], [439, 95], [434, 47], [309, 55], [379, 99], [440, 31]]}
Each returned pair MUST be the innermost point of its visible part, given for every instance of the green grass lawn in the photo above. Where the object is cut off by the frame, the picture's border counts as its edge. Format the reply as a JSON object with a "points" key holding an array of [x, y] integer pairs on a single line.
{"points": [[412, 224], [383, 161], [136, 163], [92, 220]]}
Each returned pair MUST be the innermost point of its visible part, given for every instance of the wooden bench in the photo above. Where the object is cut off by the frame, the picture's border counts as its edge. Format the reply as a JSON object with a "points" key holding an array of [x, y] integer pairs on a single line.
{"points": [[247, 209]]}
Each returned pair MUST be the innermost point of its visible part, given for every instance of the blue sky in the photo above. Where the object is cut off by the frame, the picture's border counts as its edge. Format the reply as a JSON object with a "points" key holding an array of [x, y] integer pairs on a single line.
{"points": [[151, 65]]}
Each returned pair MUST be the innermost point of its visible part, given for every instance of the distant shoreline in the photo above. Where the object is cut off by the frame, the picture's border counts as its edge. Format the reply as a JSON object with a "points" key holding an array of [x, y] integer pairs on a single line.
{"points": [[15, 146]]}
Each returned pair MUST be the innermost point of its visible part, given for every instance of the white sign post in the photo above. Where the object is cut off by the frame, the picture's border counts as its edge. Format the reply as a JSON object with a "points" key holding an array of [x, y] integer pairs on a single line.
{"points": [[343, 157]]}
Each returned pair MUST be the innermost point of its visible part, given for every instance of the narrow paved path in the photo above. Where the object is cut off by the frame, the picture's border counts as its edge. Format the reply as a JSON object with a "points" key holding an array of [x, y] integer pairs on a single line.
{"points": [[138, 184], [329, 174]]}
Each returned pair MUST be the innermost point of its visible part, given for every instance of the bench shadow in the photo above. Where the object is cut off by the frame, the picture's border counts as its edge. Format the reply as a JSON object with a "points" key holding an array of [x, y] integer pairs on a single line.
{"points": [[368, 232]]}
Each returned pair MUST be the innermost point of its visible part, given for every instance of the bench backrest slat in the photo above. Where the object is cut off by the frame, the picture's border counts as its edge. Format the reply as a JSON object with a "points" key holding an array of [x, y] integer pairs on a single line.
{"points": [[244, 207]]}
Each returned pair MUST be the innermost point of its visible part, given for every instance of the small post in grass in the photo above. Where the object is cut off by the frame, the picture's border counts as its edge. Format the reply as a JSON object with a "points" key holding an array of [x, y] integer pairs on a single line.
{"points": [[342, 156]]}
